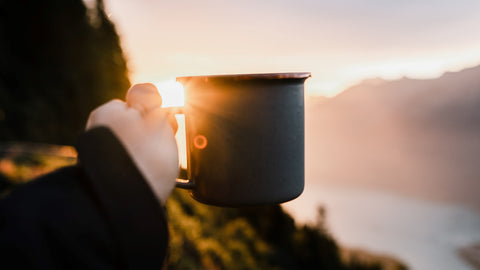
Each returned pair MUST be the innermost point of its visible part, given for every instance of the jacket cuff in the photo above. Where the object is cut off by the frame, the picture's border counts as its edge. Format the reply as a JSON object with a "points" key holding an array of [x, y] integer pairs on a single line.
{"points": [[137, 220]]}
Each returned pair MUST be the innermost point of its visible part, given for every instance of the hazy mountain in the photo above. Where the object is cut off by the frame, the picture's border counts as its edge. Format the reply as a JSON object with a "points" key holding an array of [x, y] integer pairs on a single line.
{"points": [[417, 137]]}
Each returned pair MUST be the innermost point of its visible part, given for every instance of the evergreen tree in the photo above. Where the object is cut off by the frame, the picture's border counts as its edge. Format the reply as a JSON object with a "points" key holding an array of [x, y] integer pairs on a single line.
{"points": [[58, 61]]}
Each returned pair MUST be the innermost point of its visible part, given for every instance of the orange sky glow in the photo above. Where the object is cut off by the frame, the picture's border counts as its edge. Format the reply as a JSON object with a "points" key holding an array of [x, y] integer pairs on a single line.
{"points": [[340, 42]]}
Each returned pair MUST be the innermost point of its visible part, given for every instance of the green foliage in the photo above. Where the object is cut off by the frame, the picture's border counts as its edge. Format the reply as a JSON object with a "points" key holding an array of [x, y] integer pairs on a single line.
{"points": [[212, 237], [207, 237], [58, 61], [21, 162]]}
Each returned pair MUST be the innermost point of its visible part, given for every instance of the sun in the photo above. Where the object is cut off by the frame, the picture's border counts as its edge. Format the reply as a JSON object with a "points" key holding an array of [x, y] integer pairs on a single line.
{"points": [[172, 93]]}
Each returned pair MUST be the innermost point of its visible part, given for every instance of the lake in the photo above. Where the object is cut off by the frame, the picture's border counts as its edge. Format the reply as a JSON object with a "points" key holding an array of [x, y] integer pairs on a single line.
{"points": [[425, 235]]}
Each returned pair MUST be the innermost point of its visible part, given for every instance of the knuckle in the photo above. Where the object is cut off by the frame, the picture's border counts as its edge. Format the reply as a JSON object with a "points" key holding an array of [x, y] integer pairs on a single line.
{"points": [[107, 112]]}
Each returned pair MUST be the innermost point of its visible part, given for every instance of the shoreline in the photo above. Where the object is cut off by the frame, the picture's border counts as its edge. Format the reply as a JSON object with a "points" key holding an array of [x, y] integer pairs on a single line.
{"points": [[471, 254], [421, 233]]}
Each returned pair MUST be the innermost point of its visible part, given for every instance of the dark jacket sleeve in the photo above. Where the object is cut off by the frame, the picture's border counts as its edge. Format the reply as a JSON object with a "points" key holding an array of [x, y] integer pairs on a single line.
{"points": [[98, 214]]}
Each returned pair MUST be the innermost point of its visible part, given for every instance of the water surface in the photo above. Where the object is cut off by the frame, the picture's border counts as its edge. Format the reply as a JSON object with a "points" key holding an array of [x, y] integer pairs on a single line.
{"points": [[425, 235]]}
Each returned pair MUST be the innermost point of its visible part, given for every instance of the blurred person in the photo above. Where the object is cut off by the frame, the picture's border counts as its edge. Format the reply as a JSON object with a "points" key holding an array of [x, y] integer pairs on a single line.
{"points": [[105, 212]]}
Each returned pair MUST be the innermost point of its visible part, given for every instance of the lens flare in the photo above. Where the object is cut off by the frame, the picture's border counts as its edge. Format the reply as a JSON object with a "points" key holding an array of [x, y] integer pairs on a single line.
{"points": [[200, 142]]}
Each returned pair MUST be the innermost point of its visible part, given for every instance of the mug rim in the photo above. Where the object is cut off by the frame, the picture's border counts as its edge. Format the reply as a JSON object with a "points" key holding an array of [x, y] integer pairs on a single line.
{"points": [[252, 76]]}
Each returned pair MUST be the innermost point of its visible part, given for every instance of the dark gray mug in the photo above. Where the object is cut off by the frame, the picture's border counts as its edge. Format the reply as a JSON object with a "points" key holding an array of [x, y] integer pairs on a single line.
{"points": [[245, 138]]}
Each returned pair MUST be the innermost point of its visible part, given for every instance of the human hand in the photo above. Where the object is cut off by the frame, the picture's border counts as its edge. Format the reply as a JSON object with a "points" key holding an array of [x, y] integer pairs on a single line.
{"points": [[148, 133]]}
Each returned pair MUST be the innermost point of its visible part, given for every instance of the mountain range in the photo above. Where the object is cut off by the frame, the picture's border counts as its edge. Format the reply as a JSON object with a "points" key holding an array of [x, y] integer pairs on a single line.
{"points": [[417, 137]]}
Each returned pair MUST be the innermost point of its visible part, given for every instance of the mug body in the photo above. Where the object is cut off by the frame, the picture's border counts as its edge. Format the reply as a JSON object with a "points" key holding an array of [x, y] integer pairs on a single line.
{"points": [[245, 137]]}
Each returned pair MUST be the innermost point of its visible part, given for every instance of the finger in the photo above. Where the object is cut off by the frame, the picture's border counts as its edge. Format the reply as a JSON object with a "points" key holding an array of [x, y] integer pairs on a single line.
{"points": [[161, 118], [109, 109], [144, 97], [140, 108], [172, 111], [172, 120]]}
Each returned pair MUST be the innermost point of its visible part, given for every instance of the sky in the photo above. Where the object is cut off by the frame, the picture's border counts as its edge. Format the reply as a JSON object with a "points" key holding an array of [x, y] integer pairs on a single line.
{"points": [[341, 42]]}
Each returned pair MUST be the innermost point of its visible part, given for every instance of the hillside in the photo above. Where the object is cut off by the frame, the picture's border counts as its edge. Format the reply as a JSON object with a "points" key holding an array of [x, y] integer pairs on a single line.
{"points": [[208, 237], [416, 137]]}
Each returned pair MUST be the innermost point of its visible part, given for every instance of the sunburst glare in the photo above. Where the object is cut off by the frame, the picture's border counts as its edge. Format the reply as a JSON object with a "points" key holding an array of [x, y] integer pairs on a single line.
{"points": [[172, 93]]}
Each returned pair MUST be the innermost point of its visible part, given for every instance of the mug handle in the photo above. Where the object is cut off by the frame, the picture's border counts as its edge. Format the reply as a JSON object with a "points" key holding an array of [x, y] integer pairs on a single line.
{"points": [[180, 182]]}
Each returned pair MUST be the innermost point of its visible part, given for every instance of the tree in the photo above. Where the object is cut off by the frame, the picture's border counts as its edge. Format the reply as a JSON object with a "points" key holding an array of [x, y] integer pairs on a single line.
{"points": [[58, 61]]}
